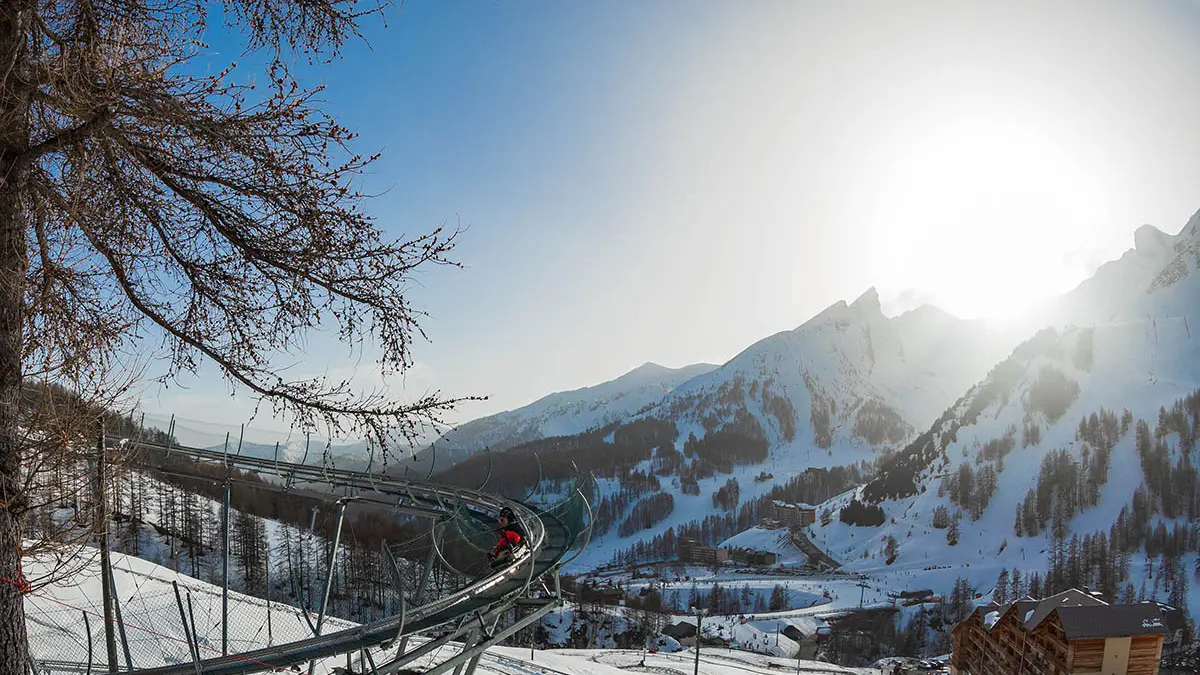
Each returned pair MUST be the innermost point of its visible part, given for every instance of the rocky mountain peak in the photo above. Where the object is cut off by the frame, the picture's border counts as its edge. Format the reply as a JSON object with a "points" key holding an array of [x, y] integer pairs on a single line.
{"points": [[1150, 239], [868, 301]]}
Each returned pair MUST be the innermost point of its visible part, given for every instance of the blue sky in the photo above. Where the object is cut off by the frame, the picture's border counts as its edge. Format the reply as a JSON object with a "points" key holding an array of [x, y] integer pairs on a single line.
{"points": [[670, 181]]}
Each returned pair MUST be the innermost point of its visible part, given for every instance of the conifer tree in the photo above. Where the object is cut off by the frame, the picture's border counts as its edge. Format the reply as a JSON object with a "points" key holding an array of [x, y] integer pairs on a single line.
{"points": [[1035, 587], [1000, 594], [952, 533]]}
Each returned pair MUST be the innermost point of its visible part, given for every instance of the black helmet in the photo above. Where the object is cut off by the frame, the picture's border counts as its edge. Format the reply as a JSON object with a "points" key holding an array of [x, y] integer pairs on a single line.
{"points": [[507, 512]]}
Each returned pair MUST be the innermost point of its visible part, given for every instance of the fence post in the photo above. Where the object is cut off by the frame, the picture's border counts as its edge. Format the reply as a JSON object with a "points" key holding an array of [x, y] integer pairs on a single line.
{"points": [[110, 637], [225, 556], [87, 627], [188, 635], [225, 570], [120, 621]]}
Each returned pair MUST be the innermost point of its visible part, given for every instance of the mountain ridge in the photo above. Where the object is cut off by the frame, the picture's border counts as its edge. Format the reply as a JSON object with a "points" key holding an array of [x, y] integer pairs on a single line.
{"points": [[566, 412], [1034, 397], [1080, 445]]}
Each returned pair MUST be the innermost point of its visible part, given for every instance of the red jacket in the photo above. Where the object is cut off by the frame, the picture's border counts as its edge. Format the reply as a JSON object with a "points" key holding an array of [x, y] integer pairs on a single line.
{"points": [[509, 538]]}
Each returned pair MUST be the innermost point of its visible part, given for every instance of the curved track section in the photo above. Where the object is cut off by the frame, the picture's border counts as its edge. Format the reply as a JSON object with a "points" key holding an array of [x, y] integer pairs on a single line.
{"points": [[552, 533]]}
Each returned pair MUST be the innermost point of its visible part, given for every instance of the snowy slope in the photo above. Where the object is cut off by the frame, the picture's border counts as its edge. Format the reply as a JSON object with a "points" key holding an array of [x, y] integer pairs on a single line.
{"points": [[154, 629], [1136, 352], [566, 413], [150, 612], [834, 391], [1123, 289], [1127, 345], [848, 381]]}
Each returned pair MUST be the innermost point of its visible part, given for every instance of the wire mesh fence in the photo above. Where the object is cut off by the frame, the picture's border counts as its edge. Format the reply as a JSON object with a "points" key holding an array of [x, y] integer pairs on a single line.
{"points": [[66, 622]]}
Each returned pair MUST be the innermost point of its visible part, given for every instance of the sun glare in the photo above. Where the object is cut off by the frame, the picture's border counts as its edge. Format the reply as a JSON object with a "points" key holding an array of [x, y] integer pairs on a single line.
{"points": [[986, 217]]}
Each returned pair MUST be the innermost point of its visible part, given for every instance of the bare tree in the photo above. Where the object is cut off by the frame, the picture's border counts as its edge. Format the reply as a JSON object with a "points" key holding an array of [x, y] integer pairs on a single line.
{"points": [[143, 198]]}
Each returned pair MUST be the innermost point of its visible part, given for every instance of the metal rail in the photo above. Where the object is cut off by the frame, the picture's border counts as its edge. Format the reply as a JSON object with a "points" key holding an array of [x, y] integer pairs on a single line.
{"points": [[550, 537]]}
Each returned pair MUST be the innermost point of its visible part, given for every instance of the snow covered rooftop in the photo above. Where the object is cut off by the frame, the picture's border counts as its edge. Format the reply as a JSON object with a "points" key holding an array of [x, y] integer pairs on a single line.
{"points": [[1069, 598]]}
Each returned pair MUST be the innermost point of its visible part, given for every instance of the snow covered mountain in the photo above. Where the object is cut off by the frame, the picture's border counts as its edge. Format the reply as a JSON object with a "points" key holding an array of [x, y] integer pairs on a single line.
{"points": [[853, 376], [848, 382], [840, 389], [1074, 458], [1125, 288], [567, 413], [851, 382]]}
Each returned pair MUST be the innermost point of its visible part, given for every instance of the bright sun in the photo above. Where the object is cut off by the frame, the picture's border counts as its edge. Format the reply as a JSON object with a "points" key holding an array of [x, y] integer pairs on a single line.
{"points": [[984, 218]]}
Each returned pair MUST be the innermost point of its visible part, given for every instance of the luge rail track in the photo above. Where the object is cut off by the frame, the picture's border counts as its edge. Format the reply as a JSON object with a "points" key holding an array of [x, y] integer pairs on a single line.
{"points": [[473, 611]]}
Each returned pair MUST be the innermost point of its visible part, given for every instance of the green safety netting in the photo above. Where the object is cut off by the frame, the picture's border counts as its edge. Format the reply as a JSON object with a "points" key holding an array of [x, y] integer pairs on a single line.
{"points": [[559, 525], [574, 515]]}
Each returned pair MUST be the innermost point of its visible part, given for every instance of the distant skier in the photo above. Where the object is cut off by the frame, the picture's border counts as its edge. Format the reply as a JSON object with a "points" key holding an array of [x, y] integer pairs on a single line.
{"points": [[511, 537]]}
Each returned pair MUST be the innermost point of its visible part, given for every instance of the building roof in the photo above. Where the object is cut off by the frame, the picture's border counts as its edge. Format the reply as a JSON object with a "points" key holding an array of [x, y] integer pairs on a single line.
{"points": [[1081, 614], [1103, 621], [997, 612], [1172, 616], [1072, 597], [679, 630], [982, 613], [1022, 608], [779, 503]]}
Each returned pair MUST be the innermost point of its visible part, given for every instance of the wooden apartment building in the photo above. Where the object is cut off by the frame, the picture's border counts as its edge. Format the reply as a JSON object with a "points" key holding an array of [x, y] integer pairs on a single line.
{"points": [[1071, 633]]}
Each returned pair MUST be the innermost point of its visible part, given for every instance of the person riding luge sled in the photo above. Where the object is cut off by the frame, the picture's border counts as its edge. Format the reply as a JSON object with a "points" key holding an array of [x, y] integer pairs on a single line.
{"points": [[511, 537]]}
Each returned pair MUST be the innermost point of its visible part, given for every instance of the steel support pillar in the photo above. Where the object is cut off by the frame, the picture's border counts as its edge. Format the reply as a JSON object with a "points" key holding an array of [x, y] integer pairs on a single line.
{"points": [[468, 654], [225, 570], [337, 538], [472, 639]]}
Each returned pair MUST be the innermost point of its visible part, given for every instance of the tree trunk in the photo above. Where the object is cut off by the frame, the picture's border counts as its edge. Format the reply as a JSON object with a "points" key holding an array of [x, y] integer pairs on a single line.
{"points": [[14, 140]]}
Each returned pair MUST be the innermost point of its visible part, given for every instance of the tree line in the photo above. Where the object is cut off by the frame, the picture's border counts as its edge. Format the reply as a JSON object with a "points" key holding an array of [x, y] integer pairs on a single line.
{"points": [[812, 486]]}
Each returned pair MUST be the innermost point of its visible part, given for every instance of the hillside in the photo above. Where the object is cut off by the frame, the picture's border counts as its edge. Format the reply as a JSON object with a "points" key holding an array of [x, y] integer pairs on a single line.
{"points": [[151, 617], [1074, 459], [568, 412], [1126, 288], [838, 388], [849, 381], [836, 391], [59, 633], [708, 460]]}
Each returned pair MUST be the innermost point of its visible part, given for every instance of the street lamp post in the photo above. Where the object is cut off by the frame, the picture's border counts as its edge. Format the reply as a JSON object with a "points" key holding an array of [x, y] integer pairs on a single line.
{"points": [[700, 614]]}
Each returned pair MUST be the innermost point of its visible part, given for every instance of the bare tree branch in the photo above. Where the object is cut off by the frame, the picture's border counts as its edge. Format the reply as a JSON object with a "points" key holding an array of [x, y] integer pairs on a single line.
{"points": [[216, 214], [66, 137]]}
